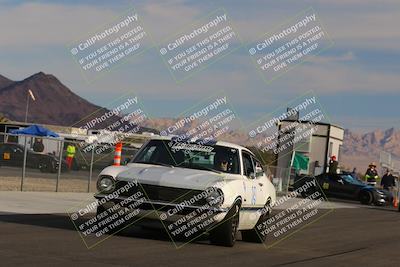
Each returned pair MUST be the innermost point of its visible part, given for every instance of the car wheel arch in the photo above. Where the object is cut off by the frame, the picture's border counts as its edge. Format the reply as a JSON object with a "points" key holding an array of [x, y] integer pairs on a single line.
{"points": [[364, 192]]}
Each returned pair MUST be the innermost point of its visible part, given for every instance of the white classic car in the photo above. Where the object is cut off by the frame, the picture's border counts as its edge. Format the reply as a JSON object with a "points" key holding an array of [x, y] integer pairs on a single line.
{"points": [[192, 188]]}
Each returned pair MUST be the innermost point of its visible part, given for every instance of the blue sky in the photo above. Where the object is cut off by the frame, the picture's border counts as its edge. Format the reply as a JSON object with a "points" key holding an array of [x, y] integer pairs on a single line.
{"points": [[357, 80]]}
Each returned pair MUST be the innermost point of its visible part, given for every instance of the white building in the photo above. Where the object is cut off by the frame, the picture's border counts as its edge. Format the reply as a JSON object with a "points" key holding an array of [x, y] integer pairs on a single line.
{"points": [[323, 142]]}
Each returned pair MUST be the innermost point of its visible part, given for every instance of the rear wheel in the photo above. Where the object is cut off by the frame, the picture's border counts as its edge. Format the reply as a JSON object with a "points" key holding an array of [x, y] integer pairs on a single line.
{"points": [[49, 166], [225, 233], [366, 198]]}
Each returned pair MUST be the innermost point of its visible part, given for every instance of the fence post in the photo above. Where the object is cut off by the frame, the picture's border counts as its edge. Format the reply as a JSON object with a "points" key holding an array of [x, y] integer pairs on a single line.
{"points": [[60, 163], [24, 163], [91, 168]]}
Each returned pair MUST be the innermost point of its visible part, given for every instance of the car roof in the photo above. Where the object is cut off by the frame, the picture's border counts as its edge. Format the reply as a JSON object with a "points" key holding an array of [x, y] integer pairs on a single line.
{"points": [[219, 143], [11, 144]]}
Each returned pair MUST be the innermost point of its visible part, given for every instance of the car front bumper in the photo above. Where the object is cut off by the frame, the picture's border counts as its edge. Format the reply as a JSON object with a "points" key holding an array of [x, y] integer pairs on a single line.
{"points": [[383, 199], [160, 210]]}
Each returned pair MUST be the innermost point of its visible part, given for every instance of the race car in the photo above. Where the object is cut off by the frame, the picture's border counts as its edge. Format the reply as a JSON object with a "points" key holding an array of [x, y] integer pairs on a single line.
{"points": [[12, 154], [346, 186], [194, 187]]}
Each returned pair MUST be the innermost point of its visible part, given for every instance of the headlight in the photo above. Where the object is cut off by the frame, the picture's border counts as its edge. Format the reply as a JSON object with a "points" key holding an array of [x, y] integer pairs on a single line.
{"points": [[105, 184], [215, 197]]}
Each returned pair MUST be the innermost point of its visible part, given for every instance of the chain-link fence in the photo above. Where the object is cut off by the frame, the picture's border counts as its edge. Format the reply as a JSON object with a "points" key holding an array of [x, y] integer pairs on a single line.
{"points": [[282, 178], [31, 163]]}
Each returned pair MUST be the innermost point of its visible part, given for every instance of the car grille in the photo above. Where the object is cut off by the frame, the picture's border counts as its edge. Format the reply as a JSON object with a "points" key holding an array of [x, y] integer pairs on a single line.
{"points": [[164, 194]]}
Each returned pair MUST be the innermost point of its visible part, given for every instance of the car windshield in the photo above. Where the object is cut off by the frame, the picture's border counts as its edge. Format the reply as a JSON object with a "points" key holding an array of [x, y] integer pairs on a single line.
{"points": [[351, 180], [189, 155]]}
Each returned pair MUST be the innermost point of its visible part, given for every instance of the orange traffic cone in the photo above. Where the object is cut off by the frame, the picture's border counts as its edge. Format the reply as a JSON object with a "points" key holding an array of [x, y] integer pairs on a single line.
{"points": [[117, 154], [395, 202]]}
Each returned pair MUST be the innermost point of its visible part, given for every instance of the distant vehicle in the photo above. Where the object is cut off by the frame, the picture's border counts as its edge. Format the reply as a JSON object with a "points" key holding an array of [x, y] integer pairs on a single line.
{"points": [[13, 155], [345, 186]]}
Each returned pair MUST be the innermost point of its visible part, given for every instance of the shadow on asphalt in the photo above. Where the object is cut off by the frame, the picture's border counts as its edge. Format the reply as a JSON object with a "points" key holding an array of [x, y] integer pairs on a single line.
{"points": [[357, 204], [63, 222]]}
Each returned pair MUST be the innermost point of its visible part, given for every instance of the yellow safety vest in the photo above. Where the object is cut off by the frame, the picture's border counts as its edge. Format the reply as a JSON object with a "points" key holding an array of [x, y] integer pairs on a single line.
{"points": [[70, 151]]}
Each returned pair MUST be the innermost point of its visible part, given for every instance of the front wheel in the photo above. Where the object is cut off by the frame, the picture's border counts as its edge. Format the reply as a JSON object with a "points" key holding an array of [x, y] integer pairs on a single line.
{"points": [[49, 166], [225, 233], [100, 209], [366, 198]]}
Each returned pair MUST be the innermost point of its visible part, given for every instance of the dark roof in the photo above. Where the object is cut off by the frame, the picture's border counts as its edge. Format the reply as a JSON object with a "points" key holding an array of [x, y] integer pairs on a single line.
{"points": [[318, 123]]}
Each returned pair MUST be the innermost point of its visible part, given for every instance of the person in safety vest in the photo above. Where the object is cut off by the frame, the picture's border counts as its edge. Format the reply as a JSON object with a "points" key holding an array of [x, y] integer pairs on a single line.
{"points": [[70, 155], [372, 174]]}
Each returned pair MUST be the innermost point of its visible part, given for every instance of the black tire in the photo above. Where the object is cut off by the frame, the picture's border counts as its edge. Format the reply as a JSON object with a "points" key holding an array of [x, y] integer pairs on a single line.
{"points": [[100, 209], [117, 229], [49, 166], [308, 192], [225, 233], [53, 166], [366, 198], [256, 235], [42, 167]]}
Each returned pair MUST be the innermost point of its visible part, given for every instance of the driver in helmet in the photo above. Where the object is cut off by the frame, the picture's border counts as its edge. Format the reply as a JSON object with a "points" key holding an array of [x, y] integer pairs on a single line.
{"points": [[221, 162]]}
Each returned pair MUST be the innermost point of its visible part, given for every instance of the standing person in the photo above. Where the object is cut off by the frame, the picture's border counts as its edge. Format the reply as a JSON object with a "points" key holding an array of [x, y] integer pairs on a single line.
{"points": [[38, 145], [388, 181], [371, 174], [70, 155], [333, 164]]}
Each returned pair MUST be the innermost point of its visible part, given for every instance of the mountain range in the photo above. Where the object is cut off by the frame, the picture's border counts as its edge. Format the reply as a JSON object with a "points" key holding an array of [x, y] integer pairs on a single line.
{"points": [[57, 104], [362, 148], [54, 103]]}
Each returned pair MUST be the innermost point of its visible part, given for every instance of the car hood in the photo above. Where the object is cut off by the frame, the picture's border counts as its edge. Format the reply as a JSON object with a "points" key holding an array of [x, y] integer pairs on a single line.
{"points": [[377, 190], [170, 177], [41, 155]]}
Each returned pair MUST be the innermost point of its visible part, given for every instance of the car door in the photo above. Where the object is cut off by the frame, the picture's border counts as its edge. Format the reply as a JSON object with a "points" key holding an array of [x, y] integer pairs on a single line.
{"points": [[260, 183], [336, 186], [248, 182], [34, 159], [326, 184], [350, 190]]}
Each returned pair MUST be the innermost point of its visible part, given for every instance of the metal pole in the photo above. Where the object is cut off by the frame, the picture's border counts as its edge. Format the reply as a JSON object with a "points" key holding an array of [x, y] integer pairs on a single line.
{"points": [[91, 168], [398, 191], [24, 163], [59, 163], [27, 107]]}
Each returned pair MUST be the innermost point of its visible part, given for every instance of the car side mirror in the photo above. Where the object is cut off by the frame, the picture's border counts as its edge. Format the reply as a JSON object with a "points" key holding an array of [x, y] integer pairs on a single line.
{"points": [[252, 175], [259, 173]]}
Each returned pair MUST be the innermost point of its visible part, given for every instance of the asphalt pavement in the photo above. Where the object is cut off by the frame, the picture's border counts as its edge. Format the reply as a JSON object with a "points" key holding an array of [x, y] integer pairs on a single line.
{"points": [[350, 235]]}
